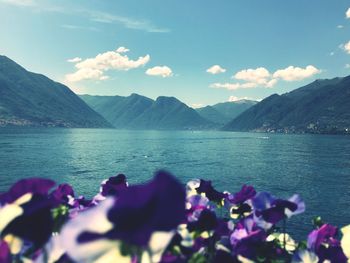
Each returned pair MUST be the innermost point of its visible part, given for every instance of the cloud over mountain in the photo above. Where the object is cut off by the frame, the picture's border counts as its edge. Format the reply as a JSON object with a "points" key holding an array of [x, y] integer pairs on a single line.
{"points": [[295, 73]]}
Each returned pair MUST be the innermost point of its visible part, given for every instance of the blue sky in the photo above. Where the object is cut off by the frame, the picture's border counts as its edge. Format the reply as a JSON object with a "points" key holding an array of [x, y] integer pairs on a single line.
{"points": [[166, 47]]}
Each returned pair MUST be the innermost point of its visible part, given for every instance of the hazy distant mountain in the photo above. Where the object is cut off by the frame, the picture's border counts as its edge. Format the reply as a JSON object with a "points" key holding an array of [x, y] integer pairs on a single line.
{"points": [[320, 107], [139, 112], [222, 113], [30, 99]]}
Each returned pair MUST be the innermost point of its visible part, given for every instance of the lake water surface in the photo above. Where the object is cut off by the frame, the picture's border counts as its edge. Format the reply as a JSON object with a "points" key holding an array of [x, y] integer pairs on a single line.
{"points": [[315, 166]]}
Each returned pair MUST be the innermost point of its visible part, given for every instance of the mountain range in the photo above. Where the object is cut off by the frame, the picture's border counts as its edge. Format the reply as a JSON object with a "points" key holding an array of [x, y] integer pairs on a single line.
{"points": [[139, 112], [224, 112], [30, 99], [323, 106]]}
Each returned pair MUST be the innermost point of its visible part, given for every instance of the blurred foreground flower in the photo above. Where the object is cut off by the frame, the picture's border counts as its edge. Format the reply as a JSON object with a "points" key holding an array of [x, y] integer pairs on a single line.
{"points": [[160, 221], [138, 224]]}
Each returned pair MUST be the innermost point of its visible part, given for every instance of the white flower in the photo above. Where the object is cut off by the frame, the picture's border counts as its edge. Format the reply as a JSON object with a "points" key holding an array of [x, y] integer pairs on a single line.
{"points": [[345, 242]]}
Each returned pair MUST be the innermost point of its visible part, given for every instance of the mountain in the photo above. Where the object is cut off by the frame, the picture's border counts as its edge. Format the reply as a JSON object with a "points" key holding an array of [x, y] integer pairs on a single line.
{"points": [[170, 113], [139, 112], [222, 113], [30, 99], [323, 106], [118, 110]]}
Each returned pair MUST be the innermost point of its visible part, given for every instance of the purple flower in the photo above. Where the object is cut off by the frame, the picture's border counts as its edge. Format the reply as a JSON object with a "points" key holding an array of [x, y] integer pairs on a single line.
{"points": [[142, 215], [277, 212], [62, 194], [323, 241], [210, 192], [35, 224], [247, 192], [250, 245], [24, 186], [170, 258], [262, 201], [269, 210], [144, 209], [111, 187], [324, 234], [195, 205], [5, 254], [207, 221], [244, 228], [114, 185], [224, 257], [33, 220]]}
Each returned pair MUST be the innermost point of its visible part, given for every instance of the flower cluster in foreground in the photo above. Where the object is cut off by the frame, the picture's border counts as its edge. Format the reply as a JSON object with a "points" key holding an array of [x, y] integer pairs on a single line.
{"points": [[160, 221]]}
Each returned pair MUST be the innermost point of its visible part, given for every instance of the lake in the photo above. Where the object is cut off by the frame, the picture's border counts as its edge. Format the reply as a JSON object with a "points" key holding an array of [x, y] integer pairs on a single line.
{"points": [[315, 166]]}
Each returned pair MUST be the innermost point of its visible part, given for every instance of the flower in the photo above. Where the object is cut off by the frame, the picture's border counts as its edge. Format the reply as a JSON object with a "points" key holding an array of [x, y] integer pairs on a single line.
{"points": [[305, 256], [144, 209], [114, 185], [322, 235], [157, 222], [63, 194], [207, 221], [345, 241], [243, 229], [139, 215], [324, 243], [92, 220], [195, 205], [5, 255], [32, 185], [111, 187], [269, 210], [209, 191], [247, 192], [26, 211]]}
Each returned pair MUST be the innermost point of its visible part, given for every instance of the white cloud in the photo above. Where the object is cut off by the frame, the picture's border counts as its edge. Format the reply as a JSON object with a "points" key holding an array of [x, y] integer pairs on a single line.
{"points": [[347, 65], [228, 86], [145, 25], [292, 73], [75, 27], [261, 77], [95, 68], [92, 15], [162, 71], [23, 3], [234, 98], [250, 78], [346, 47], [197, 105], [74, 60], [332, 53], [347, 13], [216, 69], [122, 50], [271, 83], [246, 85], [340, 26], [86, 73], [258, 75]]}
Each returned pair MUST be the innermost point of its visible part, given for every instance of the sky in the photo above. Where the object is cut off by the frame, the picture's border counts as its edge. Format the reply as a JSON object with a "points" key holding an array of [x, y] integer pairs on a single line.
{"points": [[200, 51]]}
